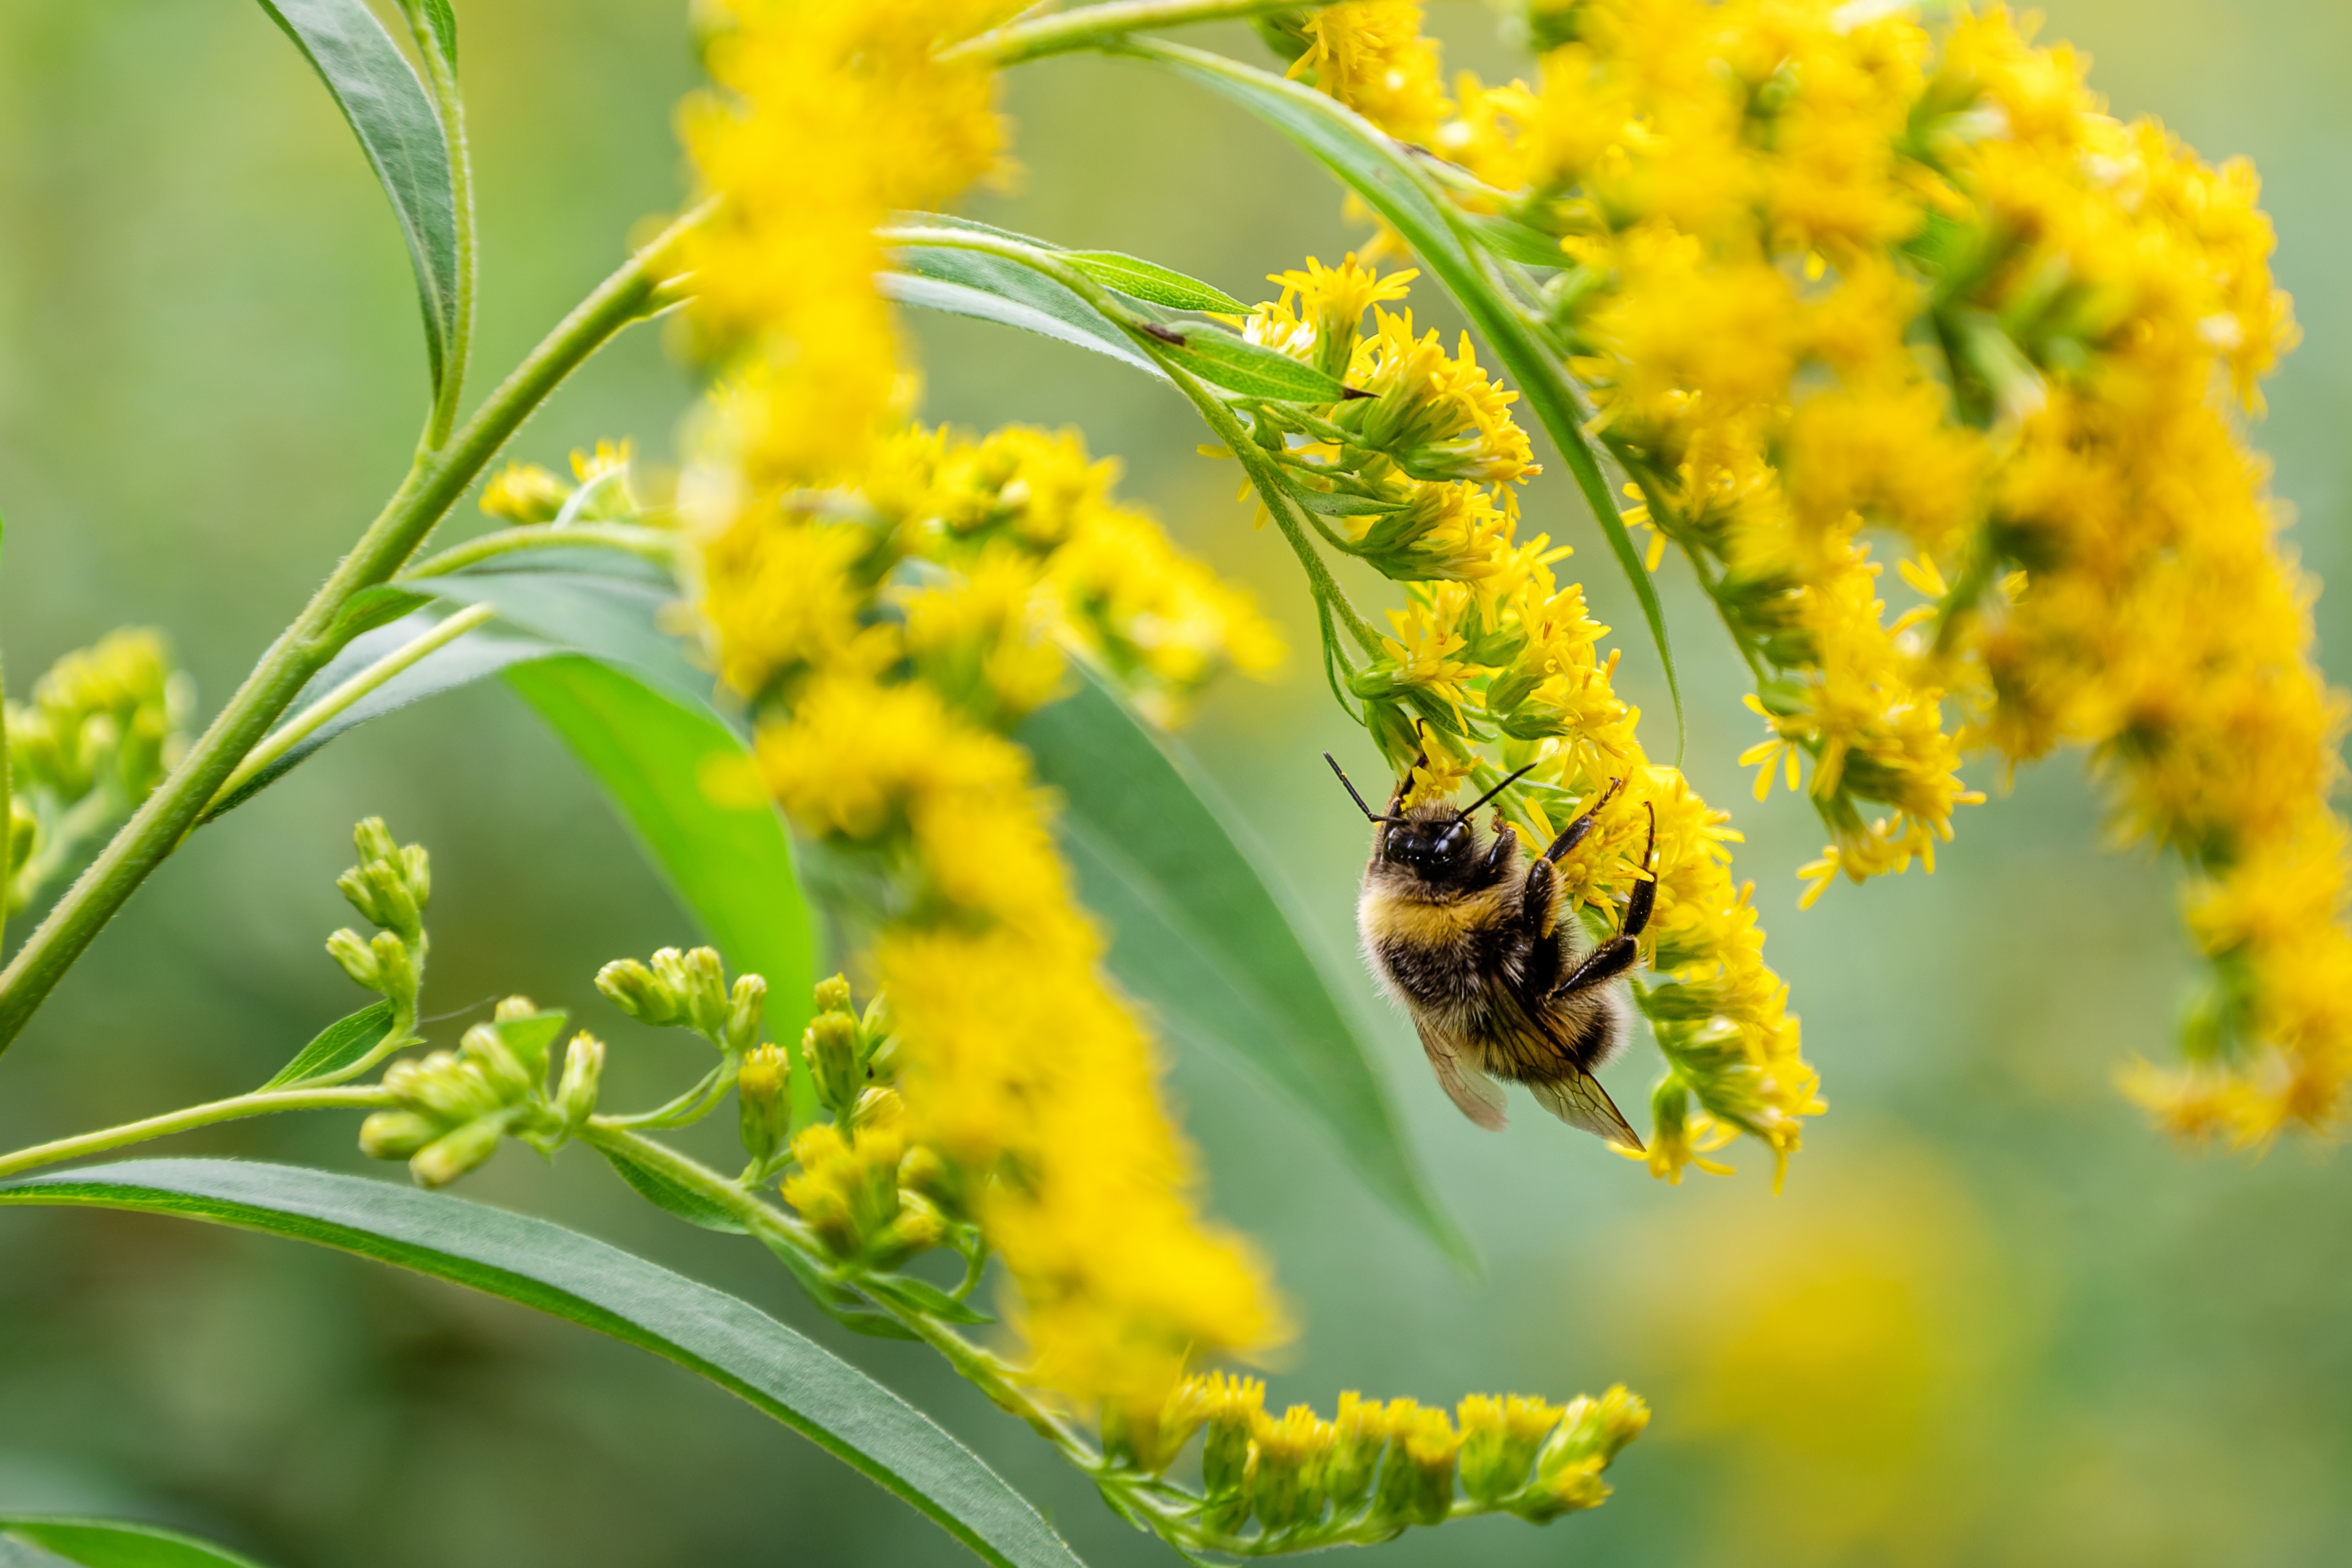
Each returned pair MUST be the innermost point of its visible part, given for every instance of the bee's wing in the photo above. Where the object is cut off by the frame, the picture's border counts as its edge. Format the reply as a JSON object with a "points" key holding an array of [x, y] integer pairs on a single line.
{"points": [[1480, 1098], [1581, 1101]]}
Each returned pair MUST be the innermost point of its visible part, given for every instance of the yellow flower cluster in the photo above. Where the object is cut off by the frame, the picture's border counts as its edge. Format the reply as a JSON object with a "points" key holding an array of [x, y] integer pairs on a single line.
{"points": [[525, 493], [1494, 650], [828, 116], [1829, 278], [1389, 1465], [893, 601]]}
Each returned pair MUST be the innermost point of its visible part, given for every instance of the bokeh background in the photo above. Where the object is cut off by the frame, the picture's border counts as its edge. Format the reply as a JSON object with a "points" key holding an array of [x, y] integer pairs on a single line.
{"points": [[1992, 1319]]}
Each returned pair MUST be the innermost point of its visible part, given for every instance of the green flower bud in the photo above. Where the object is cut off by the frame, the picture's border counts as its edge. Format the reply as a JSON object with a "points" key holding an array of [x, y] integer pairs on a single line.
{"points": [[395, 1134], [583, 1071], [1500, 1435], [637, 991], [347, 948], [764, 1101], [1286, 1485], [395, 966], [704, 991], [484, 1045], [830, 1047], [1359, 1432], [453, 1154], [373, 840], [1589, 1434], [1230, 1403], [511, 1009], [444, 1087], [745, 1007]]}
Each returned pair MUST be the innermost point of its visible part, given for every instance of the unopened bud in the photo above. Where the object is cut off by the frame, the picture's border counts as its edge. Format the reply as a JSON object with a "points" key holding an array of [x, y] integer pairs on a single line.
{"points": [[443, 1086], [939, 1181], [1232, 1404], [831, 1046], [1286, 1484], [1419, 1488], [347, 948], [453, 1154], [395, 965], [486, 1046], [763, 1099], [417, 871], [638, 992], [512, 1009], [583, 1071], [373, 840], [395, 1134], [1499, 1438], [745, 1010], [704, 991], [919, 1227], [1359, 1432], [833, 995]]}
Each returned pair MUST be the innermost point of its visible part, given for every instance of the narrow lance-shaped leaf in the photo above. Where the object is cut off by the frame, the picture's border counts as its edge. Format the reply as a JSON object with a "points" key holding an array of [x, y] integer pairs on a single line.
{"points": [[1239, 365], [1150, 282], [338, 1045], [567, 1274], [980, 305], [1377, 168], [400, 133], [106, 1543], [1012, 283], [1203, 936]]}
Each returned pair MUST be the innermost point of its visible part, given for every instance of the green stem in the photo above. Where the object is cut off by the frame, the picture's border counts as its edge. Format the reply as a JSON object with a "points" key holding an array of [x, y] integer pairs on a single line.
{"points": [[7, 802], [432, 486], [239, 1108], [1095, 25], [1212, 409], [300, 728], [441, 76], [658, 545]]}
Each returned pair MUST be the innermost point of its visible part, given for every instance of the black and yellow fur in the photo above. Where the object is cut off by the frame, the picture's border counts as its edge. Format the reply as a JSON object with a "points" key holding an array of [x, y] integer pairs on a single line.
{"points": [[1471, 941]]}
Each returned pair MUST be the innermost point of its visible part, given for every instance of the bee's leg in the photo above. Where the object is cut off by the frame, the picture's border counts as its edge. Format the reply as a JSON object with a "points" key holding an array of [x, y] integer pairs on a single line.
{"points": [[1575, 832], [1620, 953], [1505, 844]]}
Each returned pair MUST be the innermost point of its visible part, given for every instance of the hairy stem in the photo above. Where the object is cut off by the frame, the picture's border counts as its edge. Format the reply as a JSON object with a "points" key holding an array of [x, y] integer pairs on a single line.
{"points": [[241, 1107], [300, 728], [1093, 26], [432, 487]]}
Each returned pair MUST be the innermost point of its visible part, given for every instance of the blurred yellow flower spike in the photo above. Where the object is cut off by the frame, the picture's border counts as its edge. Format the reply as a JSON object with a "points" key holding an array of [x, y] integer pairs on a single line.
{"points": [[1841, 284], [1492, 665]]}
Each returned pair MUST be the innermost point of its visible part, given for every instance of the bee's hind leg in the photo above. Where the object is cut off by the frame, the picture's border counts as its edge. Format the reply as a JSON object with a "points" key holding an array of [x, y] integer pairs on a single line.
{"points": [[1620, 953]]}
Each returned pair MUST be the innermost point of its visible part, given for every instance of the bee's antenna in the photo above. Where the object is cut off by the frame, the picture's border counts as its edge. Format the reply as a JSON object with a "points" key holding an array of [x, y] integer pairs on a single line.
{"points": [[1351, 792], [1463, 813]]}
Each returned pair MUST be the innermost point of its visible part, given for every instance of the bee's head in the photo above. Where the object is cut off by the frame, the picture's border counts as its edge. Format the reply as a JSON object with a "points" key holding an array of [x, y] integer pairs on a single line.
{"points": [[1433, 842]]}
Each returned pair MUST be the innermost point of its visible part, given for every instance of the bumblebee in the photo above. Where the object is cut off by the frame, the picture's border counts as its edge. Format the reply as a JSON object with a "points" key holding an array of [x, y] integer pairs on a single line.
{"points": [[1472, 943]]}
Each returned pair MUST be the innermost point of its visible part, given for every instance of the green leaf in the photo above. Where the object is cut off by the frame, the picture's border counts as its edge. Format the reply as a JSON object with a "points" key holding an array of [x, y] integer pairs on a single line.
{"points": [[613, 614], [1379, 171], [1238, 365], [1013, 283], [483, 651], [922, 1296], [400, 133], [531, 1037], [338, 1045], [106, 1543], [659, 1190], [561, 1272], [730, 864], [1204, 934], [1150, 282], [963, 300]]}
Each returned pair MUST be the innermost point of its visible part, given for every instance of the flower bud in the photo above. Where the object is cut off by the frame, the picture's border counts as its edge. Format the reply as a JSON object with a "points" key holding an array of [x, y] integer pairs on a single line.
{"points": [[704, 991], [635, 990], [1286, 1485], [1431, 1447], [444, 1087], [830, 1047], [583, 1071], [347, 948], [484, 1045], [1230, 1404], [745, 1007], [373, 840], [453, 1154], [941, 1183], [395, 1134], [512, 1009], [1499, 1439], [1589, 1435], [1359, 1433], [833, 995], [395, 965], [764, 1101], [919, 1227]]}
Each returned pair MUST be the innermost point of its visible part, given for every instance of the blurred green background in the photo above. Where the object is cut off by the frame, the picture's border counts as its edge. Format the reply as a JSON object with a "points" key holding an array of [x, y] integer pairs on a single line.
{"points": [[1992, 1320]]}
